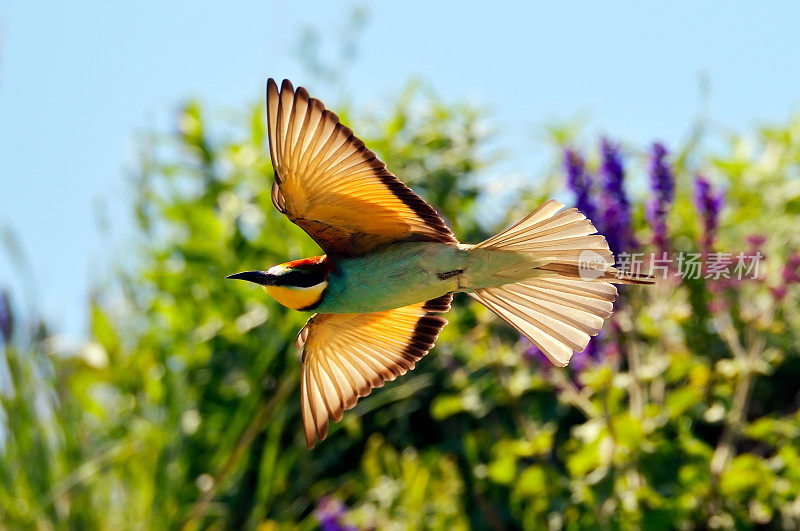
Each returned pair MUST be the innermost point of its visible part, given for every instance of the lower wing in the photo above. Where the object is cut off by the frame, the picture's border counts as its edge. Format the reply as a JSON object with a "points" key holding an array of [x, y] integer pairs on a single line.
{"points": [[345, 356]]}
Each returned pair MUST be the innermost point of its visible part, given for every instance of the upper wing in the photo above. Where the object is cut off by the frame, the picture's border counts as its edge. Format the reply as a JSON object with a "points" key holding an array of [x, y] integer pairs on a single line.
{"points": [[333, 187], [347, 355]]}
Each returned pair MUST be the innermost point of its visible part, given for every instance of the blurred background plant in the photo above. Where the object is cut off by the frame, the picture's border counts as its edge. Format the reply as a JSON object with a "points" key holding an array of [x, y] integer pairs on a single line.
{"points": [[183, 407]]}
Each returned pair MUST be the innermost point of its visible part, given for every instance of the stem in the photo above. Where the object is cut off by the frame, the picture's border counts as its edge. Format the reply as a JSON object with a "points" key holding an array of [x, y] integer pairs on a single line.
{"points": [[571, 394], [246, 439], [635, 387], [723, 453], [741, 397]]}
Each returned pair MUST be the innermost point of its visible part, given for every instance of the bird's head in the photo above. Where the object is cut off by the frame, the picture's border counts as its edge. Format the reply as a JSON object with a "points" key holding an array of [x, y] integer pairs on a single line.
{"points": [[298, 285]]}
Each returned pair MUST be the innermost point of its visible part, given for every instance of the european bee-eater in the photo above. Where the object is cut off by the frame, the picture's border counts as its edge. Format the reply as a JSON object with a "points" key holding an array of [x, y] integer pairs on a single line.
{"points": [[392, 265]]}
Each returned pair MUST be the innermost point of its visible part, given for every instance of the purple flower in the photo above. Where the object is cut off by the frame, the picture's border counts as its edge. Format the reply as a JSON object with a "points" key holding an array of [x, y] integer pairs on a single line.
{"points": [[794, 260], [791, 271], [778, 292], [718, 289], [756, 241], [579, 360], [616, 218], [330, 513], [662, 182], [6, 317], [709, 203], [580, 182], [532, 353], [589, 355], [577, 364]]}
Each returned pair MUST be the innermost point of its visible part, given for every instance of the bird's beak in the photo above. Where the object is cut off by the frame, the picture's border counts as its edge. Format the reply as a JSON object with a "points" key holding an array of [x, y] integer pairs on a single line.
{"points": [[259, 277]]}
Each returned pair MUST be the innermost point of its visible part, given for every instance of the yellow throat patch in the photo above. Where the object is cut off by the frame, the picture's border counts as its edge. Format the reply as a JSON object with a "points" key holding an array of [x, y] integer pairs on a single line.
{"points": [[297, 298]]}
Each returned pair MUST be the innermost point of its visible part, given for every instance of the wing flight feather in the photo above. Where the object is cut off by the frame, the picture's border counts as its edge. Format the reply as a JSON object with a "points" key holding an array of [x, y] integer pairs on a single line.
{"points": [[331, 185], [345, 356]]}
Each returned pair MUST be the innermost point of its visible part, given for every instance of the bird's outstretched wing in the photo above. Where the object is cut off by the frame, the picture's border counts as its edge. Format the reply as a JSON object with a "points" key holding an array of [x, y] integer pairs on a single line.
{"points": [[333, 187], [347, 355]]}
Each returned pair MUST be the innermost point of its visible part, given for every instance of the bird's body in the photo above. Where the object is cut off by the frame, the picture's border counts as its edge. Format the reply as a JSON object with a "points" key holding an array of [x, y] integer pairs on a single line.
{"points": [[395, 276], [392, 265], [408, 273]]}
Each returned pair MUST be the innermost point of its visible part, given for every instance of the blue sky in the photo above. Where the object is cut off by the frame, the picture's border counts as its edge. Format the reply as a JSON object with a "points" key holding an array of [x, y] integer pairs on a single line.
{"points": [[80, 80]]}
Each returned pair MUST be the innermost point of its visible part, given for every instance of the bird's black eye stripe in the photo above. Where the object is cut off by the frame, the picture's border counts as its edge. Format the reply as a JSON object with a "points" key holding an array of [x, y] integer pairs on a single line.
{"points": [[302, 279]]}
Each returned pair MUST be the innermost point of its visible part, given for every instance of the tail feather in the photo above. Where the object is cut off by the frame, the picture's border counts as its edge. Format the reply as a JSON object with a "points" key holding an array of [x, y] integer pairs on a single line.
{"points": [[558, 330], [534, 220], [593, 242], [566, 302], [589, 271]]}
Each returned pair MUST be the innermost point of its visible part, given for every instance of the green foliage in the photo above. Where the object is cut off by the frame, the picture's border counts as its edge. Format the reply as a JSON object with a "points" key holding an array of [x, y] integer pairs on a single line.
{"points": [[184, 406]]}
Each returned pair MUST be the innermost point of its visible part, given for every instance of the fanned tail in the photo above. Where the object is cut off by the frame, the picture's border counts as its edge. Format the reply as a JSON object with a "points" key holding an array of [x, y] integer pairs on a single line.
{"points": [[566, 302]]}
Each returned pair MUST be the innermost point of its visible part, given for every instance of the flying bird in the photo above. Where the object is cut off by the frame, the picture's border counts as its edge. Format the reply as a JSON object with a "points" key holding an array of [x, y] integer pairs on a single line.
{"points": [[391, 265]]}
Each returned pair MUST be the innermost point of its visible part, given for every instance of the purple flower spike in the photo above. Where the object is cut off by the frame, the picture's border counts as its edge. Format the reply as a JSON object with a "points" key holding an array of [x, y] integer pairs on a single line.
{"points": [[791, 271], [662, 182], [756, 241], [6, 317], [709, 204], [580, 182], [535, 355], [794, 260], [580, 360], [779, 292], [616, 221], [591, 354], [329, 513], [613, 171]]}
